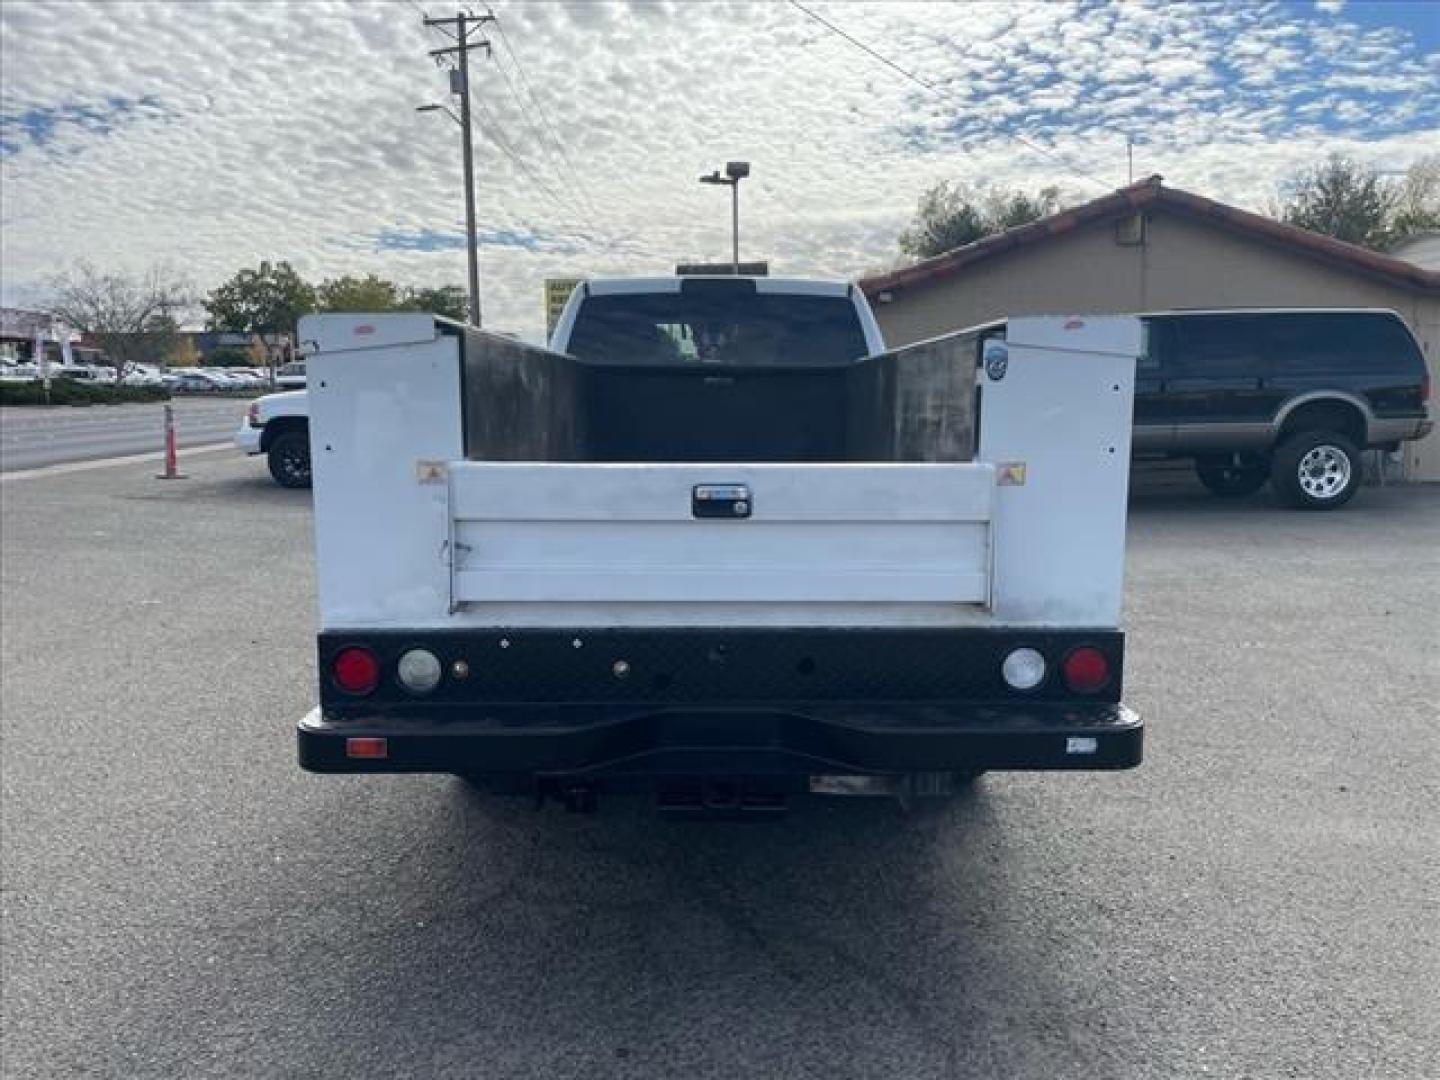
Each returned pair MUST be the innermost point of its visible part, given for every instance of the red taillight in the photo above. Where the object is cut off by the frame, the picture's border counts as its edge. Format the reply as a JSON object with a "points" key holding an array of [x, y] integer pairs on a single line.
{"points": [[1086, 670], [363, 747], [355, 670]]}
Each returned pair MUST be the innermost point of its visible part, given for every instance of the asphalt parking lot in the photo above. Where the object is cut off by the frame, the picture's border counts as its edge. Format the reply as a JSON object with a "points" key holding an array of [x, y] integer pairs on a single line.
{"points": [[1260, 899]]}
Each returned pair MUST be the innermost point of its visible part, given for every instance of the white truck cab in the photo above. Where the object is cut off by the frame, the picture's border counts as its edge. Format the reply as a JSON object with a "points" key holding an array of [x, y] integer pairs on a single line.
{"points": [[278, 426], [718, 544]]}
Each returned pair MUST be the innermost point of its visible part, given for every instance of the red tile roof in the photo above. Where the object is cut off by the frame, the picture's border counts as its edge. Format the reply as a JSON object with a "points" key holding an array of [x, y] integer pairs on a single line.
{"points": [[1152, 194]]}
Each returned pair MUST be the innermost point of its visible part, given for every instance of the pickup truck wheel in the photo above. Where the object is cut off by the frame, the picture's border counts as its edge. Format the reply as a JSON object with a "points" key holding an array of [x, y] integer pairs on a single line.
{"points": [[1316, 470], [1230, 477], [289, 459]]}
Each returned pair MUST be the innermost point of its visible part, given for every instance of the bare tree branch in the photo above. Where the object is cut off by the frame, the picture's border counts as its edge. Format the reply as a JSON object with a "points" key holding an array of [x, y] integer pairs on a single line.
{"points": [[132, 318]]}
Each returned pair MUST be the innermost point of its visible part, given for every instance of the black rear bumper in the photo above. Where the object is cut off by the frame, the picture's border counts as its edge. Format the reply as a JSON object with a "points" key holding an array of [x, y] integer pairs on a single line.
{"points": [[620, 744]]}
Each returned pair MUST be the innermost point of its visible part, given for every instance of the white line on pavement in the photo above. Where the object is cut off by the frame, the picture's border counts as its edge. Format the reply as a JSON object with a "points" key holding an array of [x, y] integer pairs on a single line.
{"points": [[105, 463]]}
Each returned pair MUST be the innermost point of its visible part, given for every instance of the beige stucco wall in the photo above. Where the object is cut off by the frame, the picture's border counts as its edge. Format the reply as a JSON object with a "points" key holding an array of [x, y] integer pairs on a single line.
{"points": [[1181, 264]]}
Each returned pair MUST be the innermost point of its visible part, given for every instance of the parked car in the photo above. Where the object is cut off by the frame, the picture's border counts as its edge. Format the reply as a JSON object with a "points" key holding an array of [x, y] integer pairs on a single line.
{"points": [[278, 426], [291, 376], [222, 378], [76, 373], [25, 372], [239, 378], [195, 381], [253, 378], [143, 375]]}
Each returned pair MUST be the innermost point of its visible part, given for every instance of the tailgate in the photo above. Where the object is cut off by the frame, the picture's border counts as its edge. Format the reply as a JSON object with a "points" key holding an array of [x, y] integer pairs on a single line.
{"points": [[823, 533]]}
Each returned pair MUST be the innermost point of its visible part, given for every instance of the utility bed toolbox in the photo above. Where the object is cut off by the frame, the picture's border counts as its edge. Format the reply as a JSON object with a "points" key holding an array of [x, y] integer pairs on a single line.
{"points": [[546, 569]]}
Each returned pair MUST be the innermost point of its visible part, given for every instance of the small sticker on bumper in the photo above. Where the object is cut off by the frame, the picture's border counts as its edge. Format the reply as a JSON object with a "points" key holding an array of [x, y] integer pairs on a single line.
{"points": [[1081, 744]]}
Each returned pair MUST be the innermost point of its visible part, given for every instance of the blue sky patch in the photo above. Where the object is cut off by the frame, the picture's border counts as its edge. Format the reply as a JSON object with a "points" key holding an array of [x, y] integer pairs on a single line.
{"points": [[39, 126], [438, 240]]}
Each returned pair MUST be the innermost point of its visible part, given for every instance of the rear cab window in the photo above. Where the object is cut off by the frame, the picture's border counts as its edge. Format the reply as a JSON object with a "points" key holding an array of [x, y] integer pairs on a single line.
{"points": [[726, 326]]}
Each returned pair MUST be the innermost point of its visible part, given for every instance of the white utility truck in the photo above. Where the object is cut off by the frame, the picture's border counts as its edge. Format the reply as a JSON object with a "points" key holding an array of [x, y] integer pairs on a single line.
{"points": [[718, 544]]}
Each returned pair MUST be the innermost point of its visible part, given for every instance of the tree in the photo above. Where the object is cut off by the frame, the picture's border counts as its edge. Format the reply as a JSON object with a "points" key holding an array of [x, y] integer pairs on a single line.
{"points": [[1343, 199], [369, 293], [372, 293], [449, 301], [266, 300], [1417, 203], [183, 352], [131, 318], [1353, 202], [953, 215]]}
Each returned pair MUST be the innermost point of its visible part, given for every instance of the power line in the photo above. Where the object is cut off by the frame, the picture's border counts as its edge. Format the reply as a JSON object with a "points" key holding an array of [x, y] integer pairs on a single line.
{"points": [[540, 138], [491, 126], [555, 138], [581, 201], [936, 89]]}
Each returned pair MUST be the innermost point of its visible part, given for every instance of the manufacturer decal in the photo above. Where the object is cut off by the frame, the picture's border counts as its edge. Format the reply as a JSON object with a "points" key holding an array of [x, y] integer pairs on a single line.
{"points": [[997, 359]]}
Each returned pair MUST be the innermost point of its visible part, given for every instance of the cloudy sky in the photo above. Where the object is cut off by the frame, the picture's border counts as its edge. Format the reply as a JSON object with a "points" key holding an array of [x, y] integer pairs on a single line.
{"points": [[213, 135]]}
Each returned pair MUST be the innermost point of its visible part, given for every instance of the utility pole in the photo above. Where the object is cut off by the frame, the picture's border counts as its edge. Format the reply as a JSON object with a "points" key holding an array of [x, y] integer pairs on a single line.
{"points": [[460, 28]]}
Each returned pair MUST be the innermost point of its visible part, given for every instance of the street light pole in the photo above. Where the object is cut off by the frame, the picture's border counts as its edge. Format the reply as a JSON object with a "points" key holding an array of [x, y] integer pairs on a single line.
{"points": [[735, 171], [735, 226]]}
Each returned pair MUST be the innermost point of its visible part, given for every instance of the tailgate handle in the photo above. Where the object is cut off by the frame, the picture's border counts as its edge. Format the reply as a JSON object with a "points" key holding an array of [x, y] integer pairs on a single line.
{"points": [[721, 501]]}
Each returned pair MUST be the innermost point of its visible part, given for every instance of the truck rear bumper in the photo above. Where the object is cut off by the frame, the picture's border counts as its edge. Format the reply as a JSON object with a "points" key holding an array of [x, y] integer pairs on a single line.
{"points": [[602, 744]]}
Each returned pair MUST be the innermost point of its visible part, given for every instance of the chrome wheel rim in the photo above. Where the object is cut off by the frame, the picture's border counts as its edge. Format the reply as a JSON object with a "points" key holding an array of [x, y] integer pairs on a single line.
{"points": [[1324, 472]]}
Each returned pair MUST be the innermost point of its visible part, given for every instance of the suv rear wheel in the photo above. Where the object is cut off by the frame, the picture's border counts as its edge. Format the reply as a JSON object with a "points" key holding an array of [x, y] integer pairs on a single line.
{"points": [[1232, 475], [1316, 470]]}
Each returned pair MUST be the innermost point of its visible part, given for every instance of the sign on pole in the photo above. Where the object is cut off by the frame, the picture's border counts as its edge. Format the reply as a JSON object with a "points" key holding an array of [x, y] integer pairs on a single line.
{"points": [[557, 292]]}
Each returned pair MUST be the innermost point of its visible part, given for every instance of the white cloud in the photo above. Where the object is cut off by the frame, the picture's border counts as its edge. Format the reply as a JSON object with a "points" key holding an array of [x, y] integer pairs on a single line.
{"points": [[214, 135]]}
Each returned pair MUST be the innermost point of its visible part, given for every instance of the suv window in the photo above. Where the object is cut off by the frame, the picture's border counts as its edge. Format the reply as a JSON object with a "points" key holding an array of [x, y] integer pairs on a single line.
{"points": [[1301, 343], [1216, 345]]}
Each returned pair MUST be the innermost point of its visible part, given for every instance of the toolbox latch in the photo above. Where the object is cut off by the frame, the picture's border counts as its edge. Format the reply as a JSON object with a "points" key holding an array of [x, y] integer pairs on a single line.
{"points": [[721, 501]]}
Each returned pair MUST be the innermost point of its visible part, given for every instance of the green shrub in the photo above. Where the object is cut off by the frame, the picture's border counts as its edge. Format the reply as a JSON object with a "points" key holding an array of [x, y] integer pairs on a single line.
{"points": [[70, 392], [228, 356]]}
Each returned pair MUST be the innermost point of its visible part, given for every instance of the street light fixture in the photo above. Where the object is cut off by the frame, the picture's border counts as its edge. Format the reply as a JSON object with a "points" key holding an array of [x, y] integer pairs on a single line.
{"points": [[735, 171], [432, 107], [472, 248]]}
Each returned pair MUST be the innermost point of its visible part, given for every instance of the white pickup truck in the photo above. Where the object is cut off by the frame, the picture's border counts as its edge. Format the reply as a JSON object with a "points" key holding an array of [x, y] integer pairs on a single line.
{"points": [[278, 426], [719, 545]]}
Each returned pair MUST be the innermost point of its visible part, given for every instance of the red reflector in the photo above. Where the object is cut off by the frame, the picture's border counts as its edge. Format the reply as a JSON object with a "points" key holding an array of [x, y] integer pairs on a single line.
{"points": [[1086, 670], [356, 670], [371, 748]]}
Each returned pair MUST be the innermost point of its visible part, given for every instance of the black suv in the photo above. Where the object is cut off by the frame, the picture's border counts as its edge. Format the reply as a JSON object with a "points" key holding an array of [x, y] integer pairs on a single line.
{"points": [[1290, 396]]}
